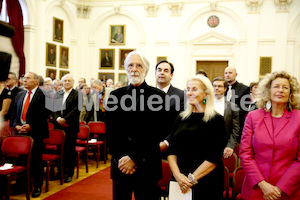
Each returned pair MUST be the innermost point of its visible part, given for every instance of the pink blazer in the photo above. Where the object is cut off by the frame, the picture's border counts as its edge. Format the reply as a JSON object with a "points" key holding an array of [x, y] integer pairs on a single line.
{"points": [[273, 156]]}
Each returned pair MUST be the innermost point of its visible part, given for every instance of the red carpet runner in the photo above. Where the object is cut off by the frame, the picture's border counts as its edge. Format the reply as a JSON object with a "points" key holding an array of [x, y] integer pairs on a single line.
{"points": [[95, 187]]}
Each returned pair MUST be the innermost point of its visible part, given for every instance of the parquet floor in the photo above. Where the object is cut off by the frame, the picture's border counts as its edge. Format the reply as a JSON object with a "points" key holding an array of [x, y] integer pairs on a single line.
{"points": [[54, 186]]}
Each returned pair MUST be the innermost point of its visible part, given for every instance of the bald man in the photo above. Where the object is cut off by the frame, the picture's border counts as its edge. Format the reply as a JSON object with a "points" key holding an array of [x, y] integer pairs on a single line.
{"points": [[239, 94]]}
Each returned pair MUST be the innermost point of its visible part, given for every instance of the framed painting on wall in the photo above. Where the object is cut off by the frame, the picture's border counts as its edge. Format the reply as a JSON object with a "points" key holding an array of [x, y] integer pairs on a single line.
{"points": [[50, 54], [64, 57], [107, 59], [123, 53], [51, 73], [58, 30], [160, 58], [62, 73], [123, 78], [117, 34], [104, 76]]}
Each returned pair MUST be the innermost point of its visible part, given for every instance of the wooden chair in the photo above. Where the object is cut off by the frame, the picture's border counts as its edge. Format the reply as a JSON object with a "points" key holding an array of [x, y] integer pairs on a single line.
{"points": [[18, 149], [82, 145], [238, 179], [54, 156], [98, 129], [227, 193], [163, 183]]}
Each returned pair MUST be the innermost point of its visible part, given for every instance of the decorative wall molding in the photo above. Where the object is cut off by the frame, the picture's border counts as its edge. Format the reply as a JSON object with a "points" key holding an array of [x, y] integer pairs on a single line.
{"points": [[117, 9], [213, 4], [151, 9], [283, 5], [254, 5], [83, 11], [213, 38], [62, 2], [175, 9]]}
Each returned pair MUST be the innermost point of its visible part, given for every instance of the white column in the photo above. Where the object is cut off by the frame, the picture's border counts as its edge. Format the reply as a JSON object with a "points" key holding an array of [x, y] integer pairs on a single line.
{"points": [[37, 65]]}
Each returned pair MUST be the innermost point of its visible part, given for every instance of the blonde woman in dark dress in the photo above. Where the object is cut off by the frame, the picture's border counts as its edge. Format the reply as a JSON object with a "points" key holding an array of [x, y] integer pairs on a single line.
{"points": [[197, 143]]}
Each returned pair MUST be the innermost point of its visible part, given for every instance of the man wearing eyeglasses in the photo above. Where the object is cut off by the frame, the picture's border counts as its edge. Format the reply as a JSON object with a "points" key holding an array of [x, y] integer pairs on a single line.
{"points": [[230, 112]]}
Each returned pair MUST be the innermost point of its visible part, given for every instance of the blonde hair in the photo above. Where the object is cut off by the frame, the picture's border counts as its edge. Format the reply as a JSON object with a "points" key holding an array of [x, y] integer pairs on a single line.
{"points": [[209, 112], [264, 90]]}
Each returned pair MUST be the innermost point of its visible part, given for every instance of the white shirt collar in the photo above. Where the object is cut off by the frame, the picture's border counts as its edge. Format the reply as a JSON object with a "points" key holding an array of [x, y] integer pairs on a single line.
{"points": [[165, 89]]}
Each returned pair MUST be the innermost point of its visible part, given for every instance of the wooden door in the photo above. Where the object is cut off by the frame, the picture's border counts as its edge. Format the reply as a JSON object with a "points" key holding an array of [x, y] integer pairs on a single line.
{"points": [[212, 68]]}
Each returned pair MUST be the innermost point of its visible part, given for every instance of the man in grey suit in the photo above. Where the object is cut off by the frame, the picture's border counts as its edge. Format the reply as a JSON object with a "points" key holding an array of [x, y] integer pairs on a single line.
{"points": [[230, 112], [175, 97]]}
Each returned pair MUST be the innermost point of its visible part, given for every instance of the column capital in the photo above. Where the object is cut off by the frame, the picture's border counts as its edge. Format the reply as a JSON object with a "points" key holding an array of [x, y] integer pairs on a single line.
{"points": [[283, 5], [254, 5], [175, 9], [151, 9]]}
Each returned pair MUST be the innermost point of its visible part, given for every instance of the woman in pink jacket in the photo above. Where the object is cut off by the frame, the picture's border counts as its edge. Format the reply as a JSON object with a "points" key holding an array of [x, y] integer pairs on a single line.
{"points": [[270, 144]]}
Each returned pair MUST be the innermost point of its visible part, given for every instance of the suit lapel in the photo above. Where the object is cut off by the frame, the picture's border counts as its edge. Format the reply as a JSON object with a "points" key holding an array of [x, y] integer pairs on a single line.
{"points": [[269, 124], [226, 110], [282, 122]]}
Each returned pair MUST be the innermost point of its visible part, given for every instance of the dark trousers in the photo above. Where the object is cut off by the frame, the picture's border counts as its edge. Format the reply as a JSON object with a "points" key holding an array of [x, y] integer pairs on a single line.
{"points": [[69, 159], [142, 189], [36, 163]]}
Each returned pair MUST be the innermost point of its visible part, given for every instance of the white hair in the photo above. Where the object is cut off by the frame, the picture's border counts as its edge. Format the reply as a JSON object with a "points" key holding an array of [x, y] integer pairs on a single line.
{"points": [[144, 60], [209, 112], [47, 79], [63, 78]]}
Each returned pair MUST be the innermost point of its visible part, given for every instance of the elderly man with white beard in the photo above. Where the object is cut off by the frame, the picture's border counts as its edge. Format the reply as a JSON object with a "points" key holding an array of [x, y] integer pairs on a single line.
{"points": [[136, 122]]}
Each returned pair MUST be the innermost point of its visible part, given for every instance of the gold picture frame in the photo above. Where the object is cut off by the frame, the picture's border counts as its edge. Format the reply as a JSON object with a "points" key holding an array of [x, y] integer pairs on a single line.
{"points": [[103, 76], [123, 78], [58, 30], [64, 57], [62, 73], [160, 58], [107, 59], [50, 54], [122, 55], [117, 34], [51, 73]]}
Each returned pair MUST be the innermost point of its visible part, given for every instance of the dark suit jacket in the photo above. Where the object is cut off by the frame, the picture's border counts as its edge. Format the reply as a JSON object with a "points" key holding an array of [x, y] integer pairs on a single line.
{"points": [[36, 116], [10, 94], [232, 122], [136, 133], [240, 90], [69, 111], [174, 112]]}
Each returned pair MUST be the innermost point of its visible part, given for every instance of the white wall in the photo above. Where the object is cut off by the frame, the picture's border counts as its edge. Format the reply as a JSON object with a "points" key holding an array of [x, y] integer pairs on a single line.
{"points": [[241, 37]]}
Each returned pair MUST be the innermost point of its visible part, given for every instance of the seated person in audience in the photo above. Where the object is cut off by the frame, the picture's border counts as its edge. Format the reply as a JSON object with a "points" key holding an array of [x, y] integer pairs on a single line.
{"points": [[270, 144], [197, 143], [230, 112], [110, 83]]}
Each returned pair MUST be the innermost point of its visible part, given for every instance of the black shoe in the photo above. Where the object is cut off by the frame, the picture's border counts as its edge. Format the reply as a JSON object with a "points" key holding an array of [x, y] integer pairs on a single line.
{"points": [[68, 179], [36, 192]]}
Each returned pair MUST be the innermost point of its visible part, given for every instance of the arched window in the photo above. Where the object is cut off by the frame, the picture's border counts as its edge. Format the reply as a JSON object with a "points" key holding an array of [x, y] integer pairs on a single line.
{"points": [[4, 16]]}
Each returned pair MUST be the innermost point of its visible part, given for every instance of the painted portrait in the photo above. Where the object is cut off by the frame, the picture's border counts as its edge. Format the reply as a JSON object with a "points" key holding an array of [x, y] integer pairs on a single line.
{"points": [[62, 73], [123, 79], [50, 54], [64, 57], [117, 34], [123, 54], [104, 76], [58, 30], [160, 58], [107, 59], [51, 73]]}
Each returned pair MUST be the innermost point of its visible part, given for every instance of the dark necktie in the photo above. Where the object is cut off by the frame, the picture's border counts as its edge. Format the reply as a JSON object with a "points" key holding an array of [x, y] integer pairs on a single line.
{"points": [[26, 105]]}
